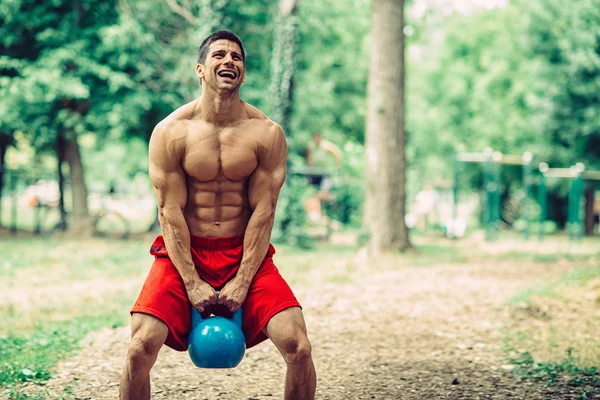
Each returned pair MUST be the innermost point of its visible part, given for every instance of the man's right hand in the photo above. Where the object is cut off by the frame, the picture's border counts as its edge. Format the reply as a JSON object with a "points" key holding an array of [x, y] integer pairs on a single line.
{"points": [[202, 295]]}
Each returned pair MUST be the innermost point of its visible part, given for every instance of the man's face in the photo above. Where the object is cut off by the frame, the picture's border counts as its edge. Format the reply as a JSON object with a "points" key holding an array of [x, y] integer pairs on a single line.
{"points": [[223, 70]]}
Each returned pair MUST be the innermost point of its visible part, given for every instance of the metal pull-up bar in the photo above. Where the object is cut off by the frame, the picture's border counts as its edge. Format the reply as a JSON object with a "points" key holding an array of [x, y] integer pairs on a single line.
{"points": [[576, 174], [492, 162]]}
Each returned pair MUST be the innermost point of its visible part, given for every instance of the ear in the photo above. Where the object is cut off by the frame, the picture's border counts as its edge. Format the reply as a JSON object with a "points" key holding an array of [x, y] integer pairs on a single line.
{"points": [[244, 77], [200, 71]]}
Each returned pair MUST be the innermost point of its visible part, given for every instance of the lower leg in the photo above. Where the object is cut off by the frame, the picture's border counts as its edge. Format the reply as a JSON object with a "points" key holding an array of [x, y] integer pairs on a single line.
{"points": [[135, 383], [148, 336], [300, 380], [287, 330]]}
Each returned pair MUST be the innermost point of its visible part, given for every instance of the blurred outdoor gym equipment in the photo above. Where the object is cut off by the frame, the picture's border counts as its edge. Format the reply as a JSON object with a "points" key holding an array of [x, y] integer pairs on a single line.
{"points": [[577, 175], [492, 168]]}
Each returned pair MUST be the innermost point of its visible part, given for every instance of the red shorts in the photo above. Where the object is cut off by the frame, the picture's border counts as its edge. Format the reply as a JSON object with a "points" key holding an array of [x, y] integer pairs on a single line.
{"points": [[217, 261]]}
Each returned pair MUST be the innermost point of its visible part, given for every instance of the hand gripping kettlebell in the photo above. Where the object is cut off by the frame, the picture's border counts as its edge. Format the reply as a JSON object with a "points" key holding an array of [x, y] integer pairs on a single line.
{"points": [[216, 342]]}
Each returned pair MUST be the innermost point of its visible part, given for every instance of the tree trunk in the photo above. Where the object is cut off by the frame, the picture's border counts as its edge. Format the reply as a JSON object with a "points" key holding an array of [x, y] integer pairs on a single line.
{"points": [[4, 142], [60, 157], [80, 222], [283, 63], [385, 136], [589, 211]]}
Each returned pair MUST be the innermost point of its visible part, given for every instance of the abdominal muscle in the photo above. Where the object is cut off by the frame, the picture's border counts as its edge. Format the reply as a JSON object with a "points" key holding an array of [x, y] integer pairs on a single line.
{"points": [[217, 208]]}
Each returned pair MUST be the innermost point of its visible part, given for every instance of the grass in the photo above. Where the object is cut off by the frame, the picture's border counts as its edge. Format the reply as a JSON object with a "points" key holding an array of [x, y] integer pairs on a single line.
{"points": [[569, 371], [28, 356], [554, 340], [576, 277], [54, 293]]}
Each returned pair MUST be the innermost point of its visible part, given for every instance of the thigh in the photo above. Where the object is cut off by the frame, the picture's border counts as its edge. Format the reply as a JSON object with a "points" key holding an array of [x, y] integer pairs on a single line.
{"points": [[269, 294], [287, 328], [163, 296], [149, 328]]}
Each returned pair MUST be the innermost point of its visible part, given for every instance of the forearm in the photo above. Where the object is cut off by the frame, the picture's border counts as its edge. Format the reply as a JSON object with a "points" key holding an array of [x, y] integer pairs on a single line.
{"points": [[256, 243], [177, 241]]}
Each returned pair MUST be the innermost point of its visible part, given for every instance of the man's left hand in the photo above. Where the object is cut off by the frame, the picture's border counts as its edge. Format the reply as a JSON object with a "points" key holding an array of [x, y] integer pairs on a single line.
{"points": [[233, 294]]}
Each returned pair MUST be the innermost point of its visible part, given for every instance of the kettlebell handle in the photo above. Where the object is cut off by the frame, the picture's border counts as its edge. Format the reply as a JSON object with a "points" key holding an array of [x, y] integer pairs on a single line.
{"points": [[197, 317]]}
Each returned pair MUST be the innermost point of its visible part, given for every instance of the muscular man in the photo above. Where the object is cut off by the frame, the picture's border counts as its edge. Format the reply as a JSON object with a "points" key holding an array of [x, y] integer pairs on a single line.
{"points": [[218, 165]]}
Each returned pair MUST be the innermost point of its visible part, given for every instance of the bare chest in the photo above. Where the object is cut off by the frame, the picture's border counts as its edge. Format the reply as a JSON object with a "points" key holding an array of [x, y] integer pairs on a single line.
{"points": [[211, 154]]}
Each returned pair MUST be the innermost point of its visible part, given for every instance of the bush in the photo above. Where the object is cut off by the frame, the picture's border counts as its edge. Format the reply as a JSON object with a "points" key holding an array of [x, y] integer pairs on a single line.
{"points": [[348, 204], [549, 227], [290, 216], [348, 190]]}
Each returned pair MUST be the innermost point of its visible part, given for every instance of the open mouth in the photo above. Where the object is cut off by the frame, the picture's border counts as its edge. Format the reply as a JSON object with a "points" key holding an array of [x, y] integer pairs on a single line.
{"points": [[227, 74]]}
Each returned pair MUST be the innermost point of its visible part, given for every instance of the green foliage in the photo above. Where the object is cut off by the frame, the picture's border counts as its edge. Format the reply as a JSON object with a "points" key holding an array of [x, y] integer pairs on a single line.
{"points": [[53, 75], [331, 77], [564, 55], [569, 371], [121, 164], [518, 78], [574, 278], [290, 216], [524, 77], [469, 92], [549, 227], [348, 188], [29, 357]]}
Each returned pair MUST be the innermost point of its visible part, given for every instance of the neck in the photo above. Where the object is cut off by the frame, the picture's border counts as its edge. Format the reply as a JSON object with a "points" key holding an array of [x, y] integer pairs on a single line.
{"points": [[220, 109]]}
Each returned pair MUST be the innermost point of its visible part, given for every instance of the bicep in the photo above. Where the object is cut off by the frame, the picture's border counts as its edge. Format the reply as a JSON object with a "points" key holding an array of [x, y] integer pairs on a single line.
{"points": [[265, 185], [170, 186], [166, 174], [269, 176]]}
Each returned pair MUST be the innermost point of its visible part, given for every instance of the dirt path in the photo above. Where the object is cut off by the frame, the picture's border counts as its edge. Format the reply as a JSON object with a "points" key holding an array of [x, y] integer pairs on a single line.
{"points": [[414, 333]]}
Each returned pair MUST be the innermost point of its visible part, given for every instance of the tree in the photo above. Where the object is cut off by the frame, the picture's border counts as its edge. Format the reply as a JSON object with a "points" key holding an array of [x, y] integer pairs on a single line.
{"points": [[283, 63], [5, 141], [56, 81], [565, 55], [332, 66], [385, 136]]}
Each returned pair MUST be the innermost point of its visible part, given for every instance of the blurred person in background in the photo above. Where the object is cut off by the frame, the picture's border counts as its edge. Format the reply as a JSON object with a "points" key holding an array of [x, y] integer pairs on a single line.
{"points": [[323, 158]]}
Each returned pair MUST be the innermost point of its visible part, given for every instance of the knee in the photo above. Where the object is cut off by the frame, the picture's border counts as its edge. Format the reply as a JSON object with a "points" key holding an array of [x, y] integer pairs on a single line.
{"points": [[297, 350], [143, 351]]}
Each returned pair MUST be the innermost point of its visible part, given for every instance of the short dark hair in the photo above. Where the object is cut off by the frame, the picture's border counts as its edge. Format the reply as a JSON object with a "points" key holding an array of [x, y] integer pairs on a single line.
{"points": [[219, 35]]}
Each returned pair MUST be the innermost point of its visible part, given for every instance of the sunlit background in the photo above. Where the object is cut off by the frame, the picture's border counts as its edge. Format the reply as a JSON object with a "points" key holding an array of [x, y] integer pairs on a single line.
{"points": [[502, 124]]}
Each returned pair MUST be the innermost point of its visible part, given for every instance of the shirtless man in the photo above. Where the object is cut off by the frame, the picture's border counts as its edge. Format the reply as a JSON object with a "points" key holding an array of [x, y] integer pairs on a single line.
{"points": [[218, 165]]}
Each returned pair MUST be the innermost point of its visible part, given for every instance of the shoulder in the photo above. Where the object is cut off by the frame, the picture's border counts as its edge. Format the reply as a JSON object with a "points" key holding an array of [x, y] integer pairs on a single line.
{"points": [[254, 113], [172, 130], [271, 136], [268, 131], [169, 138], [262, 122]]}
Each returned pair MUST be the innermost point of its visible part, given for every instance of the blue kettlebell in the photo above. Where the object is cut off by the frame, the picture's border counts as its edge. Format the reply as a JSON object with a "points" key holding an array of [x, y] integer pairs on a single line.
{"points": [[216, 342]]}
